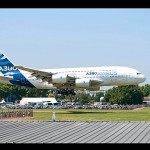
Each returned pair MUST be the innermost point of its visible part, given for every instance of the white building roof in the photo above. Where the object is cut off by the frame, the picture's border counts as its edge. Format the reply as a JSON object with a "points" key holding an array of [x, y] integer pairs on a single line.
{"points": [[26, 100]]}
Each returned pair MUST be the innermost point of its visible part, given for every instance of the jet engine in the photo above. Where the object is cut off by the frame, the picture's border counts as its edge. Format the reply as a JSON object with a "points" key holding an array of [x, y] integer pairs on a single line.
{"points": [[60, 78], [87, 82]]}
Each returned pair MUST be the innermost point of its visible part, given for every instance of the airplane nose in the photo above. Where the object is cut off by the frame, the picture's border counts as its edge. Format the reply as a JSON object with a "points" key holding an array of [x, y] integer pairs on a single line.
{"points": [[143, 78]]}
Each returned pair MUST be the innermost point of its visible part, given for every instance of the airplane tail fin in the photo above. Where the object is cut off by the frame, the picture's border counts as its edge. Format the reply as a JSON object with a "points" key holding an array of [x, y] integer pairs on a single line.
{"points": [[6, 66], [11, 74]]}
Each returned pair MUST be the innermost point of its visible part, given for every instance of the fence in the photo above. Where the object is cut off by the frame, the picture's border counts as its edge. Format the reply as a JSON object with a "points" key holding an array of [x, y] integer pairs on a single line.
{"points": [[15, 113]]}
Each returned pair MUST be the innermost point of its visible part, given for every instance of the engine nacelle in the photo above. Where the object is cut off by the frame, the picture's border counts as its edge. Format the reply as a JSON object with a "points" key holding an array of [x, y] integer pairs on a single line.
{"points": [[60, 78], [87, 82], [83, 82]]}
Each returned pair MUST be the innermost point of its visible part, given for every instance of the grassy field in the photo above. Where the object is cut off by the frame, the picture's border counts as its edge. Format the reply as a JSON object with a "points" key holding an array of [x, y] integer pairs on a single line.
{"points": [[91, 115]]}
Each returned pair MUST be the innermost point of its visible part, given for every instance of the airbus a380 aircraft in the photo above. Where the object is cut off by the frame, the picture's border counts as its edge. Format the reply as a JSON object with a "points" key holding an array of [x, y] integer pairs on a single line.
{"points": [[65, 80]]}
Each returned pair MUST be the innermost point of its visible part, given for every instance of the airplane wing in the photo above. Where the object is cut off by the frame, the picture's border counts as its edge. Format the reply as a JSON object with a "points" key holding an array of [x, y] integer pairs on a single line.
{"points": [[62, 80], [5, 77], [34, 71], [45, 76], [57, 79]]}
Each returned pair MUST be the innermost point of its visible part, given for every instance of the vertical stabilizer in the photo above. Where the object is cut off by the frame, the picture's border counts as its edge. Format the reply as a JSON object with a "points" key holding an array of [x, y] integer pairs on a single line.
{"points": [[6, 66], [8, 69]]}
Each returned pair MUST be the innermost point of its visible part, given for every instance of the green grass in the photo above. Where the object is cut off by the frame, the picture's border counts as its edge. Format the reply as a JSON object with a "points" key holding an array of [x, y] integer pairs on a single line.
{"points": [[91, 115]]}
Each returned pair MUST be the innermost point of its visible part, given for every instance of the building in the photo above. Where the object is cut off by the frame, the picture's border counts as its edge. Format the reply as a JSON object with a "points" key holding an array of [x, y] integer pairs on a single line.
{"points": [[146, 101], [32, 100]]}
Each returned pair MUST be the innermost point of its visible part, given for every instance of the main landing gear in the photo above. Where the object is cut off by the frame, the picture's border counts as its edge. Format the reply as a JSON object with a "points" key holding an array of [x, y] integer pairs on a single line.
{"points": [[65, 92]]}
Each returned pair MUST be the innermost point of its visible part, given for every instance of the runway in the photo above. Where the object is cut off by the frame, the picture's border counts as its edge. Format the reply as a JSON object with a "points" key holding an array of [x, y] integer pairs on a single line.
{"points": [[74, 132]]}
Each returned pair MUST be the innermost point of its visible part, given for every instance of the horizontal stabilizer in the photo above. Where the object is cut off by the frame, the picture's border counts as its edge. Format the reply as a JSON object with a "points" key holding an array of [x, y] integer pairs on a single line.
{"points": [[5, 78]]}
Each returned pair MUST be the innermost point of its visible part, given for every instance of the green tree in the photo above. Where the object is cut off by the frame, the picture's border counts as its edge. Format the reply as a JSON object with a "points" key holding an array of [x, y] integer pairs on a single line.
{"points": [[98, 96], [130, 94], [83, 98], [20, 91], [145, 90]]}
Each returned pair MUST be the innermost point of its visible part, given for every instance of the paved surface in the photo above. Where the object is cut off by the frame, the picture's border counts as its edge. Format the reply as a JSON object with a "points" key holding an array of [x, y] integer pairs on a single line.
{"points": [[74, 132]]}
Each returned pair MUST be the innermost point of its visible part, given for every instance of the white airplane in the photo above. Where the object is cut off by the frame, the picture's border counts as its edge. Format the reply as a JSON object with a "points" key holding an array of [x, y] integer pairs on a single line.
{"points": [[66, 80]]}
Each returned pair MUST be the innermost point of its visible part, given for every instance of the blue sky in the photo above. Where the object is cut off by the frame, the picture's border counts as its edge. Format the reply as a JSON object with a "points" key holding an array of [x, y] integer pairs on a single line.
{"points": [[75, 37]]}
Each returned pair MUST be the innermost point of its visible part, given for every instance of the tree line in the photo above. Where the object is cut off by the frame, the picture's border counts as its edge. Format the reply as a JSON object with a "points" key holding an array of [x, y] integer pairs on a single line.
{"points": [[17, 92], [130, 94]]}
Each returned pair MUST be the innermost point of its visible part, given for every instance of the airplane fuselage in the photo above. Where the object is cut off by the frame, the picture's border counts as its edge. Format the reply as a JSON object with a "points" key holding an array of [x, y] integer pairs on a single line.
{"points": [[109, 75], [90, 78]]}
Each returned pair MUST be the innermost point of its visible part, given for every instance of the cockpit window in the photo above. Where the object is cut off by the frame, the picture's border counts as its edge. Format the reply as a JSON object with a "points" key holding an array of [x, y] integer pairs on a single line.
{"points": [[138, 73]]}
